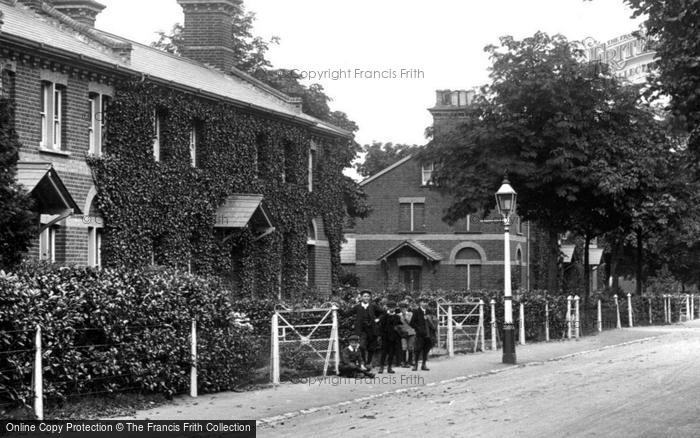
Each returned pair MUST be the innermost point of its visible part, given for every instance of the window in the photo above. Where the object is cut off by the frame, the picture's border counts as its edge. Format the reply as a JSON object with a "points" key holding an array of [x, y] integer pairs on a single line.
{"points": [[195, 135], [97, 107], [95, 247], [312, 168], [412, 215], [470, 258], [288, 174], [410, 278], [47, 245], [157, 134], [51, 115], [473, 277], [427, 174]]}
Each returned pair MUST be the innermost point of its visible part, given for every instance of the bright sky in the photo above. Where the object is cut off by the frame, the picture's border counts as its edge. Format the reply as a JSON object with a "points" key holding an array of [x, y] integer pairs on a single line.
{"points": [[442, 38]]}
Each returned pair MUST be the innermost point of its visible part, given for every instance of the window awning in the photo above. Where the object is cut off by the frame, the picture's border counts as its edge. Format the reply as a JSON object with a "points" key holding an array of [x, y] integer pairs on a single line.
{"points": [[415, 245], [45, 186], [242, 210]]}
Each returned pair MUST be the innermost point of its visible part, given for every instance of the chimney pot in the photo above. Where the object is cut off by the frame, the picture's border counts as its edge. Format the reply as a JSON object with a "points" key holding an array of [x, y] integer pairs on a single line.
{"points": [[208, 33], [82, 11]]}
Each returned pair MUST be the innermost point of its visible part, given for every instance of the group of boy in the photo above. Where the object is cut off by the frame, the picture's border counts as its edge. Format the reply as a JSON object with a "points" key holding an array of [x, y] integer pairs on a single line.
{"points": [[397, 333]]}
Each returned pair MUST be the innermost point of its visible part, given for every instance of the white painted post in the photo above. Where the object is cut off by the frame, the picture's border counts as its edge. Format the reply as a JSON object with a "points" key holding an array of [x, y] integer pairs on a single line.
{"points": [[617, 312], [651, 317], [568, 316], [450, 333], [522, 324], [481, 325], [275, 372], [600, 316], [577, 318], [669, 315], [546, 321], [193, 368], [629, 310], [38, 377], [494, 344], [336, 340], [692, 307], [687, 307], [665, 309]]}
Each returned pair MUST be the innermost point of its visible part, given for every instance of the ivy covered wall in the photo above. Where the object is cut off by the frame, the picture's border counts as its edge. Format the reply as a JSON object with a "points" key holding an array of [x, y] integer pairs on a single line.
{"points": [[164, 212]]}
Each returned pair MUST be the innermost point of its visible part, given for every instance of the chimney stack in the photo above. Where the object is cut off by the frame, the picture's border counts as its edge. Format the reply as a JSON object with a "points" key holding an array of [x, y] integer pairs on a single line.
{"points": [[208, 34], [82, 11]]}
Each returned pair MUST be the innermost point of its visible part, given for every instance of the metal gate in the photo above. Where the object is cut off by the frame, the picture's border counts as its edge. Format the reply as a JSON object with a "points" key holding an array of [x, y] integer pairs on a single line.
{"points": [[460, 326], [304, 341]]}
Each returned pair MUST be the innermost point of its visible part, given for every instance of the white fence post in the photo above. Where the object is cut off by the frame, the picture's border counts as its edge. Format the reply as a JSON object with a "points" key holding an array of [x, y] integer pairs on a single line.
{"points": [[568, 316], [522, 324], [450, 333], [546, 320], [481, 325], [38, 377], [665, 309], [577, 318], [494, 344], [600, 316], [651, 317], [687, 307], [692, 307], [336, 340], [193, 369], [617, 312], [275, 372], [630, 322]]}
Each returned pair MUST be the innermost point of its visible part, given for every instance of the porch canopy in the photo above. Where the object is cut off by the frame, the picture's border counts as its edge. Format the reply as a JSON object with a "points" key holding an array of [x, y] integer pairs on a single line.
{"points": [[244, 210], [417, 247], [50, 195]]}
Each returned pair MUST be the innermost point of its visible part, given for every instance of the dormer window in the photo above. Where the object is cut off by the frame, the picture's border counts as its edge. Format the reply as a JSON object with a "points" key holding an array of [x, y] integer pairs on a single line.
{"points": [[427, 174]]}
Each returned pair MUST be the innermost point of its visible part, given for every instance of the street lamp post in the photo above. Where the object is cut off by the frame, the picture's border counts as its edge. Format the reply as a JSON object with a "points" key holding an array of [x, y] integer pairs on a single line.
{"points": [[506, 202]]}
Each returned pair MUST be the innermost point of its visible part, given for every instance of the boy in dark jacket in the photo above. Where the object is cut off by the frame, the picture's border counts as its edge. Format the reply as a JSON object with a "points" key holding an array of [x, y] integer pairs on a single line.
{"points": [[351, 361], [388, 325]]}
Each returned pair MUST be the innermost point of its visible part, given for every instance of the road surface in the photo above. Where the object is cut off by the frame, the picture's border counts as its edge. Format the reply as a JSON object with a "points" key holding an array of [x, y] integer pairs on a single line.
{"points": [[647, 389]]}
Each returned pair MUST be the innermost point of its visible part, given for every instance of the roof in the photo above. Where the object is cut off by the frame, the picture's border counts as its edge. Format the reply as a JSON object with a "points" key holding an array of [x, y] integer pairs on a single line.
{"points": [[24, 23], [45, 186], [239, 210], [385, 170], [348, 251], [419, 247]]}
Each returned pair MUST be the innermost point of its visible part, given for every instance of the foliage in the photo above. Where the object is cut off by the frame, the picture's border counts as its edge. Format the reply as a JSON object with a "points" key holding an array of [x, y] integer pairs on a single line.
{"points": [[112, 330], [17, 222], [672, 26], [382, 155], [164, 211], [582, 149]]}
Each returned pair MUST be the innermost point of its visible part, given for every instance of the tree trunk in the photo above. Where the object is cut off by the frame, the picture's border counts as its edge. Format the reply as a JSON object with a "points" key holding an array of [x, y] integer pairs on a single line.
{"points": [[615, 257], [586, 268], [640, 261], [553, 263]]}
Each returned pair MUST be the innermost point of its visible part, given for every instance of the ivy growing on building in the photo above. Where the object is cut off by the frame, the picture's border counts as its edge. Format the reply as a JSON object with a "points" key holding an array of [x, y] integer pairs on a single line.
{"points": [[164, 212]]}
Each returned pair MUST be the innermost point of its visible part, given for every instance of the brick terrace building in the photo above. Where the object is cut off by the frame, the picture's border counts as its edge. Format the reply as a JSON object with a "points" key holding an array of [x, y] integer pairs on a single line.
{"points": [[405, 242], [61, 73]]}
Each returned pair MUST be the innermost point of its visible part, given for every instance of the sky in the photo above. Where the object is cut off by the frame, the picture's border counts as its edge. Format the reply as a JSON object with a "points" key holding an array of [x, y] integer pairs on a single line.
{"points": [[438, 44]]}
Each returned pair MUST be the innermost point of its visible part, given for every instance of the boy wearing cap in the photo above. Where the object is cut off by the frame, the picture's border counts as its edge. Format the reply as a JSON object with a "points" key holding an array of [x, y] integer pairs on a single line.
{"points": [[351, 362]]}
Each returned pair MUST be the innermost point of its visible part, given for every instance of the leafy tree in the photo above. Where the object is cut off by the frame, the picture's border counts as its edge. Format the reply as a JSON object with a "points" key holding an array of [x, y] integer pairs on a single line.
{"points": [[381, 155], [672, 26], [17, 222], [567, 132]]}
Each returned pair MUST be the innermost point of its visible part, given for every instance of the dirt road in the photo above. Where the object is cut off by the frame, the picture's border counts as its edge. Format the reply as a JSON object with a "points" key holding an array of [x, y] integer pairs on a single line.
{"points": [[648, 389]]}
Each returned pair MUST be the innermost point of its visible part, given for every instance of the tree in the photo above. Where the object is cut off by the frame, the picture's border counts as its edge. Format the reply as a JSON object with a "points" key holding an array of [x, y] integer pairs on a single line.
{"points": [[567, 132], [382, 155], [672, 27], [17, 222]]}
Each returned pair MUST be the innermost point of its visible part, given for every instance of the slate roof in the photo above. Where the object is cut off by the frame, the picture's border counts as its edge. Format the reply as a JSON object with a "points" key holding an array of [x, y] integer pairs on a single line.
{"points": [[419, 247], [44, 184], [240, 209], [21, 22]]}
